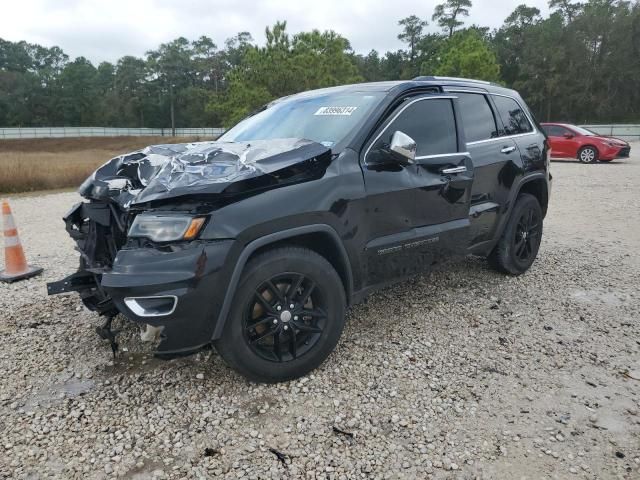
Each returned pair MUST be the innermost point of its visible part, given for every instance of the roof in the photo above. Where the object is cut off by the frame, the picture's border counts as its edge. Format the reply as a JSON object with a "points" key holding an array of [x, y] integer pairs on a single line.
{"points": [[558, 124], [387, 86]]}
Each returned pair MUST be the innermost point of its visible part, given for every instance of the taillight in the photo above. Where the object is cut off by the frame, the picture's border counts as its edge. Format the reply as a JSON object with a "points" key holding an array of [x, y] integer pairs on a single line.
{"points": [[547, 146]]}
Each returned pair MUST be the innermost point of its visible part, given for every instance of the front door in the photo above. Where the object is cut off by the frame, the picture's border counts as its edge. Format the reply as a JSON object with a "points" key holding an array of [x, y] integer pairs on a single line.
{"points": [[563, 142], [416, 211]]}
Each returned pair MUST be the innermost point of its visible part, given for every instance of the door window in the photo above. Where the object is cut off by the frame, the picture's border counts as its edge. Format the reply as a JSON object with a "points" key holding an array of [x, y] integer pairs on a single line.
{"points": [[555, 130], [430, 122], [514, 119], [477, 117]]}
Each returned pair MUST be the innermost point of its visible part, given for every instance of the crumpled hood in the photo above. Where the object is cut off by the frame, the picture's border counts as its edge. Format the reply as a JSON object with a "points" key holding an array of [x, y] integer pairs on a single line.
{"points": [[160, 172]]}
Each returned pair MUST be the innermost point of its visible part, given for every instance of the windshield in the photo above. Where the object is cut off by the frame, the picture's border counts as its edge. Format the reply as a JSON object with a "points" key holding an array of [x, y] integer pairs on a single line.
{"points": [[326, 118], [584, 131]]}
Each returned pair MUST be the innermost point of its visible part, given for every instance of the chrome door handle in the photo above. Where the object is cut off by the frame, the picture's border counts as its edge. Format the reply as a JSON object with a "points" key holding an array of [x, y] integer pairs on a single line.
{"points": [[508, 149], [449, 171]]}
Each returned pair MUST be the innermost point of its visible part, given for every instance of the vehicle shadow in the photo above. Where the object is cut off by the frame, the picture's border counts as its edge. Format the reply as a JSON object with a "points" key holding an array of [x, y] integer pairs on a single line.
{"points": [[136, 358], [620, 161]]}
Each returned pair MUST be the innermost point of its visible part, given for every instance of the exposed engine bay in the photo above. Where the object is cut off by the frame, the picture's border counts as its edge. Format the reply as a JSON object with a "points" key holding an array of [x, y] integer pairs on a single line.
{"points": [[194, 179]]}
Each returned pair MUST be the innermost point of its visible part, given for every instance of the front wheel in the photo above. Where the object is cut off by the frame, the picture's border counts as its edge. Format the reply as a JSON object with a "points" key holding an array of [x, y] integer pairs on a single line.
{"points": [[519, 244], [588, 155], [287, 316]]}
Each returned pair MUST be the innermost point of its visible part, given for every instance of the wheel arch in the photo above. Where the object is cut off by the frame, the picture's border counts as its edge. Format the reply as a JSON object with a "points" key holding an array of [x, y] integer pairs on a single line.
{"points": [[320, 238], [589, 145], [535, 184], [538, 188]]}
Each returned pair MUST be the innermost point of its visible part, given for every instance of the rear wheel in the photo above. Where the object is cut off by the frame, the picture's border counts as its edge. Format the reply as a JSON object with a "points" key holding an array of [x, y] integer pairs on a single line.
{"points": [[520, 241], [588, 155], [287, 316]]}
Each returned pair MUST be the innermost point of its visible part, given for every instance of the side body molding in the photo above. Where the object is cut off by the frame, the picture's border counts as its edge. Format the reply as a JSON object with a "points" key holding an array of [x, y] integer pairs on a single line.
{"points": [[267, 240]]}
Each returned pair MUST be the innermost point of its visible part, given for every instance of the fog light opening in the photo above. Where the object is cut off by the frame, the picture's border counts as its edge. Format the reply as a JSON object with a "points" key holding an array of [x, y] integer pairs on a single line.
{"points": [[159, 306]]}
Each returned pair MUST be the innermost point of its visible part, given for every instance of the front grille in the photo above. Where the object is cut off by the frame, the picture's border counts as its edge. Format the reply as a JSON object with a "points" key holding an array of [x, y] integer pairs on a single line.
{"points": [[624, 152]]}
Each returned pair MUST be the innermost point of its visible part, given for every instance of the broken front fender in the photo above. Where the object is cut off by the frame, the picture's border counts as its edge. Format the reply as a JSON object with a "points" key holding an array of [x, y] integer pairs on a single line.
{"points": [[180, 290], [179, 286]]}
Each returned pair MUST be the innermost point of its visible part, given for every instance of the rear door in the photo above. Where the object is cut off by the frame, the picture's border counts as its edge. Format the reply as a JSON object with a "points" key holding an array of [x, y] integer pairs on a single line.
{"points": [[494, 161], [561, 146], [554, 134], [517, 125], [445, 178]]}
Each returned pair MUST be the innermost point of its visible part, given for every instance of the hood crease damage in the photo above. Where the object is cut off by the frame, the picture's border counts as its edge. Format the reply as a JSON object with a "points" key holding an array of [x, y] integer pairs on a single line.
{"points": [[161, 172]]}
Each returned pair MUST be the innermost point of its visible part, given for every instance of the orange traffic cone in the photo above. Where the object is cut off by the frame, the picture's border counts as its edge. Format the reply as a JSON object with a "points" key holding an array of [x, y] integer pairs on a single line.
{"points": [[15, 263]]}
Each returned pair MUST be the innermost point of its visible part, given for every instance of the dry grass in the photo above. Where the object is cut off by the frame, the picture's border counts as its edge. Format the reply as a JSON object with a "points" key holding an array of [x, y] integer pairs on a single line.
{"points": [[52, 163]]}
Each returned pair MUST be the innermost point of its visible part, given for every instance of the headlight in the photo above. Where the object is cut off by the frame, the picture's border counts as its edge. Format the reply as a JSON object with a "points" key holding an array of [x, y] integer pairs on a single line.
{"points": [[166, 228]]}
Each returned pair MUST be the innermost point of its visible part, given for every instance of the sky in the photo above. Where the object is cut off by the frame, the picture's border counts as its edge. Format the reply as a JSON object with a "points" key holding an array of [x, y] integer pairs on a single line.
{"points": [[105, 30]]}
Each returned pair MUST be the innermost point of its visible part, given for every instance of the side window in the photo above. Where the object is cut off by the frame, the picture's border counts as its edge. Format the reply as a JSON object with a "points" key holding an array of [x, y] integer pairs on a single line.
{"points": [[555, 131], [513, 118], [477, 117], [430, 122]]}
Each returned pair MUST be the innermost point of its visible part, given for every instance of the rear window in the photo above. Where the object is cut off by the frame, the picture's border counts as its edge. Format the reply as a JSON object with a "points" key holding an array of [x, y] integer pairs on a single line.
{"points": [[514, 119], [477, 117]]}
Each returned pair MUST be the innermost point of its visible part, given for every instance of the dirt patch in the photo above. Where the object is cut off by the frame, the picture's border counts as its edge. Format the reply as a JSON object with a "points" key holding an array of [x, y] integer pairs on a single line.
{"points": [[460, 373], [66, 145], [52, 163]]}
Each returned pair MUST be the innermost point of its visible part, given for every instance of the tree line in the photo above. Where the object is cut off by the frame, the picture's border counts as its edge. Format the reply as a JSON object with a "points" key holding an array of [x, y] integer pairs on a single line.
{"points": [[579, 64]]}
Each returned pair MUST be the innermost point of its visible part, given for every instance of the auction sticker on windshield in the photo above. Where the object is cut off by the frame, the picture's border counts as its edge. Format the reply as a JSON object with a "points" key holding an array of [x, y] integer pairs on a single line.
{"points": [[335, 110]]}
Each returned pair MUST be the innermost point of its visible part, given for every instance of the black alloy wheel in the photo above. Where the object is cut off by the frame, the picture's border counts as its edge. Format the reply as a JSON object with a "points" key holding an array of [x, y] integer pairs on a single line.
{"points": [[286, 317], [518, 246], [526, 238]]}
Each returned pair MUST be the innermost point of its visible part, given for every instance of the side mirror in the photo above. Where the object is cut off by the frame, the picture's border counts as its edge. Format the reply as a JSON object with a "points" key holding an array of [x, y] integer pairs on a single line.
{"points": [[568, 136], [403, 147]]}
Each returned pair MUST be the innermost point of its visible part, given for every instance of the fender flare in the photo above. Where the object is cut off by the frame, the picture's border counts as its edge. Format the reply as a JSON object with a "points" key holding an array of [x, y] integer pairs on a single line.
{"points": [[251, 247], [588, 145], [515, 191]]}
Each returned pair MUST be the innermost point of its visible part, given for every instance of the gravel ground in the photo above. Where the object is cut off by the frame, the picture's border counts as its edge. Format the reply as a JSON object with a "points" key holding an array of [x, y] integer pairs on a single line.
{"points": [[462, 373]]}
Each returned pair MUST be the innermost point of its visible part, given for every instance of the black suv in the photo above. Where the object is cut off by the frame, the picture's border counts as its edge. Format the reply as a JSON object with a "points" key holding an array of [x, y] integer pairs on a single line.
{"points": [[258, 242]]}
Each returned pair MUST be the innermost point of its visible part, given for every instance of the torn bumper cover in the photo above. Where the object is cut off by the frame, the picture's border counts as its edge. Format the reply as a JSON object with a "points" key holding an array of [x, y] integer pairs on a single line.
{"points": [[181, 291], [178, 285]]}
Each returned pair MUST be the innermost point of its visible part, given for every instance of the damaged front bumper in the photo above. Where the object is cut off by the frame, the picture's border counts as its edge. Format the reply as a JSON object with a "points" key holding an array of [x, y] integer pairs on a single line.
{"points": [[172, 281], [181, 290], [176, 287]]}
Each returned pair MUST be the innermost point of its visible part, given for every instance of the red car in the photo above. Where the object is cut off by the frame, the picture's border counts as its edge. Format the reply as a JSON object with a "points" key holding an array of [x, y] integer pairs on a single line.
{"points": [[571, 141]]}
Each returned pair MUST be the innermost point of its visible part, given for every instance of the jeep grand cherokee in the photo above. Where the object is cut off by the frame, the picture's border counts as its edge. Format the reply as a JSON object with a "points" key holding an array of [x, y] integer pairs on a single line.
{"points": [[258, 242]]}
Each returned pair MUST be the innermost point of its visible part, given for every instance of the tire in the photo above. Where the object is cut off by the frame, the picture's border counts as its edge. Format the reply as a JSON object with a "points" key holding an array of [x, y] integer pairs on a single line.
{"points": [[588, 155], [265, 339], [515, 252]]}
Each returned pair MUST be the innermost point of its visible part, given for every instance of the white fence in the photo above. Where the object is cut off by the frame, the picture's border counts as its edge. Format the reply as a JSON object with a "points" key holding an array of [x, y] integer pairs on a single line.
{"points": [[60, 132], [625, 132]]}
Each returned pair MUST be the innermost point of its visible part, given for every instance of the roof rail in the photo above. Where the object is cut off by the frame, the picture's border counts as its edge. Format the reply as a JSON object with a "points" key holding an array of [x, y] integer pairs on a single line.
{"points": [[426, 78]]}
